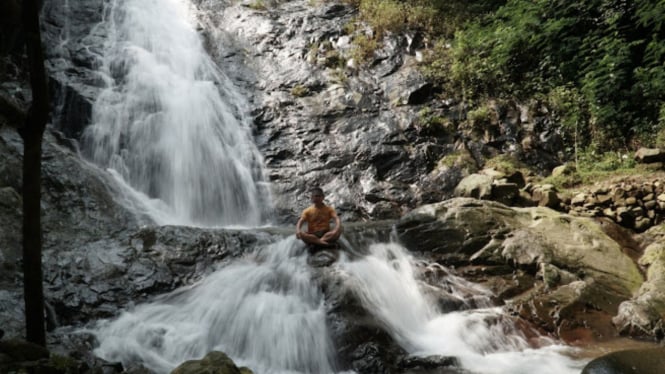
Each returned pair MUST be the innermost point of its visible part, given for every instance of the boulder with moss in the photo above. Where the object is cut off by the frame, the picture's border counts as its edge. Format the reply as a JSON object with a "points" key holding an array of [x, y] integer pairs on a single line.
{"points": [[213, 363], [561, 272]]}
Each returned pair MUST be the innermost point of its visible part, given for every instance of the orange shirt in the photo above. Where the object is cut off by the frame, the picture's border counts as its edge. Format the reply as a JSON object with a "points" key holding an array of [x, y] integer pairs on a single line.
{"points": [[318, 219]]}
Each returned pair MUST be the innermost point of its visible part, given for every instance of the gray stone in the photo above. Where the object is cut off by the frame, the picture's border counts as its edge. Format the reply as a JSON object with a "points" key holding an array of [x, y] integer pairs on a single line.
{"points": [[475, 185], [649, 155]]}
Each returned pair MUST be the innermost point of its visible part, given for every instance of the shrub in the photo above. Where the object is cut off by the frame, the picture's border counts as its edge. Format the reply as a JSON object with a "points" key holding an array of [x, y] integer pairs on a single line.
{"points": [[363, 50]]}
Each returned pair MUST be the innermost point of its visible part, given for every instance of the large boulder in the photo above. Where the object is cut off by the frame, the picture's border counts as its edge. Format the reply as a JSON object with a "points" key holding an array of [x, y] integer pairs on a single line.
{"points": [[567, 272], [213, 363], [638, 361], [643, 315]]}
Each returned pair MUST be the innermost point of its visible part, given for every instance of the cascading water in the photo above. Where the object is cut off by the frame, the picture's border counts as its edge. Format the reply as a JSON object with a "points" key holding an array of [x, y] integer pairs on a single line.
{"points": [[170, 125], [482, 339], [267, 312]]}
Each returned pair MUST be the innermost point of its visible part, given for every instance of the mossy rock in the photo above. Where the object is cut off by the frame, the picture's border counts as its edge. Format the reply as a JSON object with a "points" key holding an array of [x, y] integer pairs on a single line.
{"points": [[213, 363]]}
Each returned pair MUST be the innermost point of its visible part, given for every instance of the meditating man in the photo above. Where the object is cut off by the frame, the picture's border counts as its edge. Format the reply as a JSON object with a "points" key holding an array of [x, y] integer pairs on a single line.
{"points": [[318, 217]]}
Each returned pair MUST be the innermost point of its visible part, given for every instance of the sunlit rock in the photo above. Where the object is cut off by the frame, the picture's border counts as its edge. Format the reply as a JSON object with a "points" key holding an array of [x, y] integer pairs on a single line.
{"points": [[580, 266]]}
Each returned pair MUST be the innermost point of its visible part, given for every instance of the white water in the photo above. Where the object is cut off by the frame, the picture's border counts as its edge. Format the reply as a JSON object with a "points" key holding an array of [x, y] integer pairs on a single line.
{"points": [[267, 313], [170, 124], [482, 339], [263, 311]]}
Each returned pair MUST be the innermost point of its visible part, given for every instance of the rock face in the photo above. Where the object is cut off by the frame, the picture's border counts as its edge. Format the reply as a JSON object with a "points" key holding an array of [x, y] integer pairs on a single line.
{"points": [[372, 135], [561, 272], [73, 47]]}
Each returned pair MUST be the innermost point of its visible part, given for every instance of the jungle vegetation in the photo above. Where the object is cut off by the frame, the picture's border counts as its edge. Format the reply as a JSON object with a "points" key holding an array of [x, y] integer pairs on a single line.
{"points": [[599, 65]]}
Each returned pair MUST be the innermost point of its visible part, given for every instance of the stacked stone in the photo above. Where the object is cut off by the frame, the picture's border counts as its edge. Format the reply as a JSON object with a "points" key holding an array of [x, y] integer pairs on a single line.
{"points": [[635, 205]]}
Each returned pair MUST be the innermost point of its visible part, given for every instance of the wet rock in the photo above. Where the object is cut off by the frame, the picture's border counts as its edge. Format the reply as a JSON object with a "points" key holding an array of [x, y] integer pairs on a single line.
{"points": [[73, 55], [406, 86], [642, 361], [361, 341], [415, 364], [10, 220], [18, 350], [213, 363]]}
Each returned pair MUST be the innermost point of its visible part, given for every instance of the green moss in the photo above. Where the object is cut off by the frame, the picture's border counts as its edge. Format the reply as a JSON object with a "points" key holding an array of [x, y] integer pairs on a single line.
{"points": [[458, 159], [363, 49], [334, 60], [63, 364], [432, 122], [480, 116], [339, 76], [506, 164], [300, 91], [258, 5]]}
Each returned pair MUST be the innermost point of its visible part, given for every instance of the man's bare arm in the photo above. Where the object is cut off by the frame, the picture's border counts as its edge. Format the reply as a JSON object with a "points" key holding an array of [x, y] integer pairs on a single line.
{"points": [[338, 225], [299, 227]]}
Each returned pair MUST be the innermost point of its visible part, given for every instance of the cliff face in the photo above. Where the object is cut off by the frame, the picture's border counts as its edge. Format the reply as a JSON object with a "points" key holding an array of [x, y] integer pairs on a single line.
{"points": [[372, 135]]}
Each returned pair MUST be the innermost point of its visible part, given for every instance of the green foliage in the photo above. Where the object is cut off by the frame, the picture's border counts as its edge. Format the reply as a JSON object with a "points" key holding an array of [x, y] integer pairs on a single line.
{"points": [[437, 63], [598, 64], [462, 160], [339, 76], [569, 109], [480, 116], [432, 123], [63, 364], [506, 164], [591, 56], [363, 49], [659, 139], [592, 161], [334, 60], [350, 27], [388, 15], [594, 166], [331, 57], [431, 17]]}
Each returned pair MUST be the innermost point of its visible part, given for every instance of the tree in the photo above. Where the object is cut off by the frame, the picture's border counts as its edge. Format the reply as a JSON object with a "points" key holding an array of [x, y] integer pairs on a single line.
{"points": [[32, 133]]}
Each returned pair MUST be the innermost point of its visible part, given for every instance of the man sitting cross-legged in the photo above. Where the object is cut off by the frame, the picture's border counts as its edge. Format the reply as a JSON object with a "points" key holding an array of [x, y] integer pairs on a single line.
{"points": [[318, 217]]}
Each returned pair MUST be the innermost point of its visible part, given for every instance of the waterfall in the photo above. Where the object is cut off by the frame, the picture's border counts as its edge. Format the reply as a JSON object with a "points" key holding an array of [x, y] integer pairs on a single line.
{"points": [[264, 311], [267, 312], [481, 337], [170, 125]]}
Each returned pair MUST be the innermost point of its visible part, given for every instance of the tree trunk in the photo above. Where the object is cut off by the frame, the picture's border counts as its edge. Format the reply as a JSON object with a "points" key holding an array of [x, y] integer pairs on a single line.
{"points": [[32, 240], [32, 133]]}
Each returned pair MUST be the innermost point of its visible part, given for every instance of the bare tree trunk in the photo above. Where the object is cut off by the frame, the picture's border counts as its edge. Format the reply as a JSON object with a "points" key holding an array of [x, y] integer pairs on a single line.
{"points": [[32, 134]]}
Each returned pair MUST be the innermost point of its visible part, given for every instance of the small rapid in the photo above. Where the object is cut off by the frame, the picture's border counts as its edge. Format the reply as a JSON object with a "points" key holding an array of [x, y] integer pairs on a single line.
{"points": [[170, 125]]}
